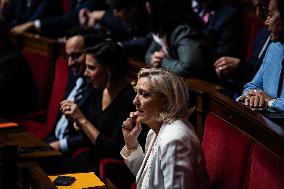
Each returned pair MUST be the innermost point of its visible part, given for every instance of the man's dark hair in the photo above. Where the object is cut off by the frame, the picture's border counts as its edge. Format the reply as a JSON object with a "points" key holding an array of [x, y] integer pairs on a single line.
{"points": [[90, 36], [77, 30]]}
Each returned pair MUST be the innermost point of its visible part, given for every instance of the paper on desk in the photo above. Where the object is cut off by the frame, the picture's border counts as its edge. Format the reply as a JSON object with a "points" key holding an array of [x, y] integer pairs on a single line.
{"points": [[83, 180]]}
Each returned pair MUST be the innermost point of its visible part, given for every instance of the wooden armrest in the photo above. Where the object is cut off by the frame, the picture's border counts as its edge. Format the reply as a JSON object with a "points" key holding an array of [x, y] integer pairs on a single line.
{"points": [[34, 176]]}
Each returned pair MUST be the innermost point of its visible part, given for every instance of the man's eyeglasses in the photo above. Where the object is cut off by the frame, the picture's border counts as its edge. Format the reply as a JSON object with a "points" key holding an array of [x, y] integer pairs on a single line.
{"points": [[74, 56]]}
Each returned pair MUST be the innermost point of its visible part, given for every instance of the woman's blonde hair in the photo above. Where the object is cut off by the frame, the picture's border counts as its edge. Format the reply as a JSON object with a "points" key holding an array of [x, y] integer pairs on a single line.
{"points": [[170, 86]]}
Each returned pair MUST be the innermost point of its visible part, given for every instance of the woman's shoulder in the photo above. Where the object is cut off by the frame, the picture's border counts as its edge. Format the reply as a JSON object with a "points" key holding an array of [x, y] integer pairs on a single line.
{"points": [[275, 52], [179, 130]]}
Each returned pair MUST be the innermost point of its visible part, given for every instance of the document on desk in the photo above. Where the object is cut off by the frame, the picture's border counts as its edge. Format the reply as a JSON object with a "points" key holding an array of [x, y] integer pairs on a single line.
{"points": [[83, 180]]}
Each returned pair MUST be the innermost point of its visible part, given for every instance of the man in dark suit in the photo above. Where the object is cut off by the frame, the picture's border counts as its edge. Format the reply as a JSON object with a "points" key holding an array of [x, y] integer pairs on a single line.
{"points": [[57, 26], [17, 87], [221, 25], [126, 21], [17, 12], [78, 89]]}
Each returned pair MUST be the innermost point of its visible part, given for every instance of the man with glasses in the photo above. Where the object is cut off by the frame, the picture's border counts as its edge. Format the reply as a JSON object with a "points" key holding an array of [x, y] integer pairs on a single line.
{"points": [[78, 88]]}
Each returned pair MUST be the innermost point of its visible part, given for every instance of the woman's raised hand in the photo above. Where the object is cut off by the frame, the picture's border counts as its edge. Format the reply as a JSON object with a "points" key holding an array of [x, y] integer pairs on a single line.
{"points": [[131, 129]]}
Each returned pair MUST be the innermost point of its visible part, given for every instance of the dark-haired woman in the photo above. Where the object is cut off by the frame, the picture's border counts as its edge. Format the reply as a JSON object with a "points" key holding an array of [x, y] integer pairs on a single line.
{"points": [[110, 104]]}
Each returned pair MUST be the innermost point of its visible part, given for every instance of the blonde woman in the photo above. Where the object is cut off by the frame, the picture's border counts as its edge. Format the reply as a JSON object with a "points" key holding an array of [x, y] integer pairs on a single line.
{"points": [[172, 157]]}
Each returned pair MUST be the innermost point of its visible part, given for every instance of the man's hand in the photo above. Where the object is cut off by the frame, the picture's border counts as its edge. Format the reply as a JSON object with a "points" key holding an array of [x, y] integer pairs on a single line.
{"points": [[157, 58], [84, 17], [226, 65], [55, 145], [22, 28]]}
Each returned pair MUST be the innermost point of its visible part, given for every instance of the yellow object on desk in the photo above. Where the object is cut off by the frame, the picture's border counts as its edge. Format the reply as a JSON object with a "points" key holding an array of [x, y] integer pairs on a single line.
{"points": [[83, 180]]}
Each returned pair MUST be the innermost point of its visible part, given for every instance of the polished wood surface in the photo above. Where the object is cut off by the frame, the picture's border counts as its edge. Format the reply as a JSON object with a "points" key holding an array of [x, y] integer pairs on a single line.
{"points": [[32, 176], [29, 146]]}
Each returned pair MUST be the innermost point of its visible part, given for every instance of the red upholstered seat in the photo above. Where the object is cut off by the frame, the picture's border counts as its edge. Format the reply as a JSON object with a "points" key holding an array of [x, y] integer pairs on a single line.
{"points": [[117, 172], [42, 73], [226, 152], [255, 26], [266, 170], [251, 24], [60, 82]]}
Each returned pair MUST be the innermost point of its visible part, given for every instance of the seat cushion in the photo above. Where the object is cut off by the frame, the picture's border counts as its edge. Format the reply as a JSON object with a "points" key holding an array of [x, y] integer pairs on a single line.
{"points": [[266, 170]]}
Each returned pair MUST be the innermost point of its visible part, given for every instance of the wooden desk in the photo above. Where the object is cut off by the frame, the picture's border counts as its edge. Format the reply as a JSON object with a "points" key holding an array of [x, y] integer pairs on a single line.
{"points": [[259, 128], [31, 148]]}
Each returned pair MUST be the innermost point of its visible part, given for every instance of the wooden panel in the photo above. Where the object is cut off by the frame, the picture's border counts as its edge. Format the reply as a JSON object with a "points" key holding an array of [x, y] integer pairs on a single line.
{"points": [[256, 126]]}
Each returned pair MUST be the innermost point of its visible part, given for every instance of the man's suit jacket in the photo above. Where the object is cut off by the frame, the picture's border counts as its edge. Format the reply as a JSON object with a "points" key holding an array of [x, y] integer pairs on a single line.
{"points": [[247, 70], [16, 12], [58, 25], [71, 130], [88, 89], [186, 51], [222, 30], [134, 38]]}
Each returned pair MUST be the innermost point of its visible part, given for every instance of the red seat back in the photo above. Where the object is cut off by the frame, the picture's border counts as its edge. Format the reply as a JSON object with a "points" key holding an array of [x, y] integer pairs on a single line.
{"points": [[251, 24], [266, 170], [226, 153], [42, 71], [40, 129], [117, 172], [57, 93]]}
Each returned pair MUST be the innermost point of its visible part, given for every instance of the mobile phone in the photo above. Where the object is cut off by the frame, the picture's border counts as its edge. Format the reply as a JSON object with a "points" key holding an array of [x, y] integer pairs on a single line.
{"points": [[64, 180]]}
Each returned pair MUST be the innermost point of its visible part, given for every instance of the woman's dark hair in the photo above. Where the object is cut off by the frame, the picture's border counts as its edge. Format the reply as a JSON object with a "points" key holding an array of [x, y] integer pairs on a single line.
{"points": [[167, 14], [112, 56]]}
